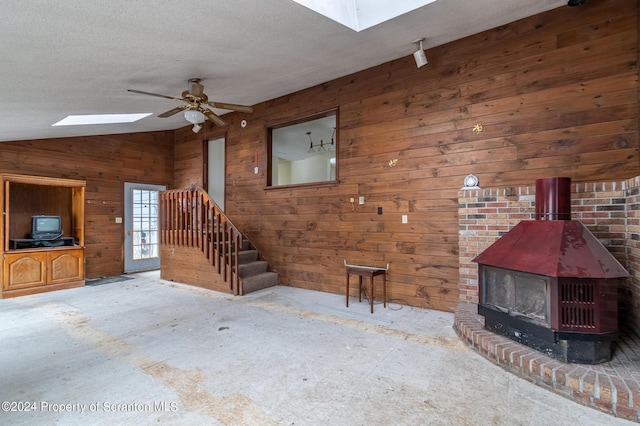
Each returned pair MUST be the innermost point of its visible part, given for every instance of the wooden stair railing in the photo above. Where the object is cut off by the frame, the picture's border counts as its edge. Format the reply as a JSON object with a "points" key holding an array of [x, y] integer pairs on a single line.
{"points": [[189, 217]]}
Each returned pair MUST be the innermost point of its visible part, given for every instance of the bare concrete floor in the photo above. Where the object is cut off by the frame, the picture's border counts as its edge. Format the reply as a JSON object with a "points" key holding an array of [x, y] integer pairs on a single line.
{"points": [[148, 351]]}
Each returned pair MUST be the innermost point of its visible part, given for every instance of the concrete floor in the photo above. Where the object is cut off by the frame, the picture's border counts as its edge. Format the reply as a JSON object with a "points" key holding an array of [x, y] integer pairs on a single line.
{"points": [[147, 351]]}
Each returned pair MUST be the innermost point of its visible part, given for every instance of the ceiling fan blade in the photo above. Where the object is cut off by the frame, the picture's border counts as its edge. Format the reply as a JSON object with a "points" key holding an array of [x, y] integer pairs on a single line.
{"points": [[153, 94], [173, 111], [213, 117], [233, 107], [195, 88]]}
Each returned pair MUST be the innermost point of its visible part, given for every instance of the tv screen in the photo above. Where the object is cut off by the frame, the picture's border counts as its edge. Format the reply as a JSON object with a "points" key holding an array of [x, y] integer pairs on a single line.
{"points": [[46, 227]]}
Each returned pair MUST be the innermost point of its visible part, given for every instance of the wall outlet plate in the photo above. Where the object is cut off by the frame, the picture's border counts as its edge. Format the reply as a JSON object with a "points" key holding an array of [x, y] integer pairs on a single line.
{"points": [[361, 199], [404, 218]]}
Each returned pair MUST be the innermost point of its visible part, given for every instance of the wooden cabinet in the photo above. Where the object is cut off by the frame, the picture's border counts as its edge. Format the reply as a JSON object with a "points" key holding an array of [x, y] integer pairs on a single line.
{"points": [[40, 269]]}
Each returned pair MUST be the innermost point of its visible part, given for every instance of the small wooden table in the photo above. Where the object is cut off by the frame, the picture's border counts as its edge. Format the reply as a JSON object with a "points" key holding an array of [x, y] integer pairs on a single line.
{"points": [[367, 271]]}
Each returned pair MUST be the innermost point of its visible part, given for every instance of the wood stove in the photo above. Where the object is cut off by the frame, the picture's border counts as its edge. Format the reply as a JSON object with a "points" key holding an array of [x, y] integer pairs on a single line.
{"points": [[550, 284]]}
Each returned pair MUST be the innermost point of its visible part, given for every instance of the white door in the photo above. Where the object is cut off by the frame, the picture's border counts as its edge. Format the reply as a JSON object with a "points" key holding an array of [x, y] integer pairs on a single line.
{"points": [[141, 227], [215, 171]]}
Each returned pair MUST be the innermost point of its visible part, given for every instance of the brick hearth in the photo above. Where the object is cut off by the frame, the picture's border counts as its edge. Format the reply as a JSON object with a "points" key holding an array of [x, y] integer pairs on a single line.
{"points": [[612, 387]]}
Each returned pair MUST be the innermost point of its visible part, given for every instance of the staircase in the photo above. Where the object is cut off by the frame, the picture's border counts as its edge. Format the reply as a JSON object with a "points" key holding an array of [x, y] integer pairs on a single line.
{"points": [[254, 273], [190, 218]]}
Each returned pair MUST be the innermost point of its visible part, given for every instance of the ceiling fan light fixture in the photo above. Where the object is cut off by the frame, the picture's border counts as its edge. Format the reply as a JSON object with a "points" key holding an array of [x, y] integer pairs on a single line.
{"points": [[194, 117], [197, 109], [196, 128]]}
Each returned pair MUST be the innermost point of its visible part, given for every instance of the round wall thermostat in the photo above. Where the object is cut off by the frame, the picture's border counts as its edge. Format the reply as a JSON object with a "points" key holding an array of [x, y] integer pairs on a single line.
{"points": [[243, 123], [470, 181]]}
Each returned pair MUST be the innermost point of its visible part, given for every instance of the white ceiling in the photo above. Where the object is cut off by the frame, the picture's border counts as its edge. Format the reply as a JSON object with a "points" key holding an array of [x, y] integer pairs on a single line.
{"points": [[71, 57]]}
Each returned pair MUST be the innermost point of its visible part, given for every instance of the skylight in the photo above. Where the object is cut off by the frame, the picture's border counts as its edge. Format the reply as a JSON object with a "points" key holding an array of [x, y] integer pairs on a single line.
{"points": [[79, 120], [362, 14]]}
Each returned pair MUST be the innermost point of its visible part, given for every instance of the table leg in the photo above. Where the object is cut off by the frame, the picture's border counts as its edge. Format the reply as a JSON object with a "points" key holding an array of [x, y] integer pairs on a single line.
{"points": [[360, 288], [384, 289], [347, 289], [371, 293]]}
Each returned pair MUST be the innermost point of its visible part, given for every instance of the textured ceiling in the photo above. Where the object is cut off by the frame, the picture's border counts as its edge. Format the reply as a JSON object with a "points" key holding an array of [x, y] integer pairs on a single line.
{"points": [[70, 57]]}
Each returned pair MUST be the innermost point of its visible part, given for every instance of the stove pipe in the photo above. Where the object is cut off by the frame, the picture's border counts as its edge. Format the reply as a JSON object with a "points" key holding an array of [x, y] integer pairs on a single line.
{"points": [[553, 198]]}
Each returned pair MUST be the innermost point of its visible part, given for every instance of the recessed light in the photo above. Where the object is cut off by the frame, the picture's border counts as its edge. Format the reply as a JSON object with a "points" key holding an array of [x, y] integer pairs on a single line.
{"points": [[79, 120]]}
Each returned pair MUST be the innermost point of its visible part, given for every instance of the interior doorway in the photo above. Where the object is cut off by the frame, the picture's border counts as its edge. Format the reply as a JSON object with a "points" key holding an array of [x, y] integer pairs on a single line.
{"points": [[141, 227], [216, 171]]}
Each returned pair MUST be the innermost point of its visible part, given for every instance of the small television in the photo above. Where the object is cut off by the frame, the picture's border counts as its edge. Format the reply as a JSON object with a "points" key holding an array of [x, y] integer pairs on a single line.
{"points": [[46, 227]]}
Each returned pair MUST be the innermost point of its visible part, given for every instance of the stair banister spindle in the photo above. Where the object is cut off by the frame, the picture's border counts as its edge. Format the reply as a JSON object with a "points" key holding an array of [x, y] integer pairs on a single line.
{"points": [[172, 206], [181, 218], [185, 219], [174, 218], [189, 224], [199, 229]]}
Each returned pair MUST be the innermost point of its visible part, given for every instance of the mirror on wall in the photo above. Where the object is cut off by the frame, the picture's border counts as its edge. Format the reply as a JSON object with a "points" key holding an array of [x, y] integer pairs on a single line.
{"points": [[304, 152]]}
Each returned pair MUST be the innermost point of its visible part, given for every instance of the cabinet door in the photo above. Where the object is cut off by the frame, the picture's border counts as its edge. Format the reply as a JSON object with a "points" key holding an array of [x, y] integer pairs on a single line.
{"points": [[22, 270], [65, 266]]}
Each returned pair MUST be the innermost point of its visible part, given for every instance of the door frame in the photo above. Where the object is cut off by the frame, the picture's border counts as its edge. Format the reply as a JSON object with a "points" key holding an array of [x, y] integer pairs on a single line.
{"points": [[131, 265]]}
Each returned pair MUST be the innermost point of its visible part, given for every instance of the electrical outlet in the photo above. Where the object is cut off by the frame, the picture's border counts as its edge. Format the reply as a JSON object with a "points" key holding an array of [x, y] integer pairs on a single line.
{"points": [[361, 200], [118, 220], [404, 218], [379, 210]]}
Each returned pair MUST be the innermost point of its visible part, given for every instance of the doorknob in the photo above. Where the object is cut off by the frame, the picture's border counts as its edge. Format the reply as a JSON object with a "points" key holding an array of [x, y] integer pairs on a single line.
{"points": [[129, 233]]}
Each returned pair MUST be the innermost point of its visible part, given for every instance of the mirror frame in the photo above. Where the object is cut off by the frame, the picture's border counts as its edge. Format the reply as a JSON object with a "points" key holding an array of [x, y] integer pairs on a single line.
{"points": [[269, 172]]}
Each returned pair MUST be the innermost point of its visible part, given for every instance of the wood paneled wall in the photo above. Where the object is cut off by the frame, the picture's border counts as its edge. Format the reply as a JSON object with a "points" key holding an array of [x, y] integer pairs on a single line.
{"points": [[557, 95], [105, 163]]}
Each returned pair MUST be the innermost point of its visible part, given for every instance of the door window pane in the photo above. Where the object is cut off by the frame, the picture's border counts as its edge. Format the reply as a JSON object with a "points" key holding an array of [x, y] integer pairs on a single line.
{"points": [[145, 224]]}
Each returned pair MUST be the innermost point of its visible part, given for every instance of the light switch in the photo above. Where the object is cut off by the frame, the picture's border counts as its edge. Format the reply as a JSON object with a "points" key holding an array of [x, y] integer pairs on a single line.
{"points": [[118, 220], [404, 218]]}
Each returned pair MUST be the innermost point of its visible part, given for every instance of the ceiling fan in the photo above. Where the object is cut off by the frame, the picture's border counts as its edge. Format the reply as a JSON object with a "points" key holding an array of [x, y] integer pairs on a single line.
{"points": [[196, 105]]}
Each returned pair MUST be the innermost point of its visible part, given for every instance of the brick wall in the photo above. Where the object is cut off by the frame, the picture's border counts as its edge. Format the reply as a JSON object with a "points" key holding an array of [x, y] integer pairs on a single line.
{"points": [[631, 294], [610, 210], [484, 216]]}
